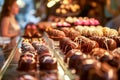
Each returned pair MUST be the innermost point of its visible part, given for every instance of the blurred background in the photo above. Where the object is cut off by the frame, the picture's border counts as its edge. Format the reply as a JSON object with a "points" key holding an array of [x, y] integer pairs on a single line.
{"points": [[40, 10]]}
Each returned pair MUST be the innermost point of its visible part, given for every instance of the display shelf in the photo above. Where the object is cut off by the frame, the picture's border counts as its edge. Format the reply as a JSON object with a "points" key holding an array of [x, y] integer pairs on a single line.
{"points": [[63, 72]]}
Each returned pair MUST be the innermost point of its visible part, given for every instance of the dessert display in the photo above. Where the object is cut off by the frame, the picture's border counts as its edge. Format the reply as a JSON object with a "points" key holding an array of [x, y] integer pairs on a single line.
{"points": [[89, 50], [37, 57], [81, 44], [38, 53]]}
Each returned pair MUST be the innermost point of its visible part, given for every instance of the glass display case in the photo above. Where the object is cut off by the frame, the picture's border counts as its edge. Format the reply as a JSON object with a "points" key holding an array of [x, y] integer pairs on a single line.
{"points": [[9, 70]]}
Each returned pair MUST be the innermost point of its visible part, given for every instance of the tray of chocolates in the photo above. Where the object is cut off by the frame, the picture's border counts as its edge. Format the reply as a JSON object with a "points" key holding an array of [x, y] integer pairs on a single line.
{"points": [[89, 54], [37, 61], [79, 53]]}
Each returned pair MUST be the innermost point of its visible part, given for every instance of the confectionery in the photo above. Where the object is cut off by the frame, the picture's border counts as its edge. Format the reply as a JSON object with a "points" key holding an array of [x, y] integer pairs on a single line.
{"points": [[67, 44], [43, 51], [27, 47], [86, 45], [48, 63], [99, 52], [27, 63], [56, 34], [59, 40], [105, 42], [71, 33]]}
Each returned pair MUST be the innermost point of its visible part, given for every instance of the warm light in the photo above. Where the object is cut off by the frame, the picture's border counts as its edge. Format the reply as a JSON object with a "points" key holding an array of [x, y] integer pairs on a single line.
{"points": [[21, 3], [51, 3]]}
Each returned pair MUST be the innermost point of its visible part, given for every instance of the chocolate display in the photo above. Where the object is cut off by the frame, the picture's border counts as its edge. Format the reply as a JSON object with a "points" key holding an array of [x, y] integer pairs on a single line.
{"points": [[91, 52], [87, 54], [34, 53]]}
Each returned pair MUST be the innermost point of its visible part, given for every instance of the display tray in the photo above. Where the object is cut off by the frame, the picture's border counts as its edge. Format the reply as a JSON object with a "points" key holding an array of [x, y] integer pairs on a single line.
{"points": [[9, 71]]}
